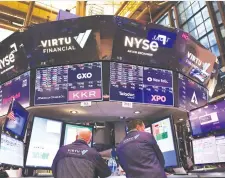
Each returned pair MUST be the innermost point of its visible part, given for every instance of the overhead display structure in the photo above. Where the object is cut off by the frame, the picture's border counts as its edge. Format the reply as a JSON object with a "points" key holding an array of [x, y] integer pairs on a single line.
{"points": [[85, 59]]}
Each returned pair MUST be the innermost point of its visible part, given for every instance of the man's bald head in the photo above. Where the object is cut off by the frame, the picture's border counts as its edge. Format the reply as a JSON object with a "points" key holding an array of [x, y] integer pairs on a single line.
{"points": [[84, 134]]}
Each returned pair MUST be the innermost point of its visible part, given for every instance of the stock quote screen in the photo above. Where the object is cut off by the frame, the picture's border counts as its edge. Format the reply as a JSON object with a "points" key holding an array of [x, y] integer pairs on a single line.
{"points": [[18, 88], [191, 94], [70, 83], [132, 83]]}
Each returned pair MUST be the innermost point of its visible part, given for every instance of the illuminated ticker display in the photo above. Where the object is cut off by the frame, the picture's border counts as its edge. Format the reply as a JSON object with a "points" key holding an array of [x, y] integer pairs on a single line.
{"points": [[70, 83]]}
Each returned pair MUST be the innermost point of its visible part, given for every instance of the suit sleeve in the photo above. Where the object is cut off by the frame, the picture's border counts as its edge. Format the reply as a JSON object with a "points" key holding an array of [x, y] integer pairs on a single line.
{"points": [[158, 151], [102, 168]]}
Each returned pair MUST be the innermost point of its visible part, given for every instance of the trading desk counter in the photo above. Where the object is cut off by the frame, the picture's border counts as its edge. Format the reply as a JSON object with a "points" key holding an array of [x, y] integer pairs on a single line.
{"points": [[205, 175]]}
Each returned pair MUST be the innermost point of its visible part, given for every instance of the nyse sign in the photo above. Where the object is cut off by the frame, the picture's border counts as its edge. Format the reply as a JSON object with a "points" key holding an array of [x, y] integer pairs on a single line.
{"points": [[7, 62]]}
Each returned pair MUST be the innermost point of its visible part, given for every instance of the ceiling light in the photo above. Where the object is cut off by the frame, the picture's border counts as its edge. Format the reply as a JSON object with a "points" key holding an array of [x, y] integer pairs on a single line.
{"points": [[17, 24], [181, 119], [73, 112], [137, 112]]}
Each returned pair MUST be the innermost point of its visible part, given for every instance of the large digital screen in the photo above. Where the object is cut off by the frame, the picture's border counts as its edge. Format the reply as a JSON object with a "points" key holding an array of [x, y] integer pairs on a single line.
{"points": [[163, 133], [13, 56], [195, 61], [135, 44], [70, 83], [208, 119], [16, 120], [209, 150], [131, 83], [18, 88], [44, 142], [191, 94], [71, 132], [11, 151]]}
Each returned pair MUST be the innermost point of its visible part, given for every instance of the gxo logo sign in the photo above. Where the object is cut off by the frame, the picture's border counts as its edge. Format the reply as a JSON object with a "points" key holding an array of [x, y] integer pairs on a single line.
{"points": [[84, 75], [158, 98]]}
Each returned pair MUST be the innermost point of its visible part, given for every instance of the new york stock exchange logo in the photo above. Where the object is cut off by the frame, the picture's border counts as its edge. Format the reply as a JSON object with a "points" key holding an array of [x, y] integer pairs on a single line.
{"points": [[65, 43]]}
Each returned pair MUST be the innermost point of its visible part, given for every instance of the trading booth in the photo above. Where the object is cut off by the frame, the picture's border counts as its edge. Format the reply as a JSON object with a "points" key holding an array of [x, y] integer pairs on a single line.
{"points": [[98, 72]]}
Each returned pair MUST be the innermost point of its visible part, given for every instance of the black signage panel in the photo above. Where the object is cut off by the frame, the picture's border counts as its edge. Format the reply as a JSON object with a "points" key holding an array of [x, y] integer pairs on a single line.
{"points": [[64, 42], [13, 57], [194, 60], [152, 47]]}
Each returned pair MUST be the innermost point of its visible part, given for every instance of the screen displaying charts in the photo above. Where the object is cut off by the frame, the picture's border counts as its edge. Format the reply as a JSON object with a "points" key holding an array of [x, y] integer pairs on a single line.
{"points": [[70, 83], [71, 132], [44, 142], [11, 151], [209, 150], [208, 119], [17, 119], [131, 83], [191, 94], [18, 88], [163, 133]]}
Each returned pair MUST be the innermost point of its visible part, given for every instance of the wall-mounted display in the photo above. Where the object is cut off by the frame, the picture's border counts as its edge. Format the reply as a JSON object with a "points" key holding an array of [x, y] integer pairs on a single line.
{"points": [[131, 83], [70, 83], [208, 119], [190, 95], [18, 88]]}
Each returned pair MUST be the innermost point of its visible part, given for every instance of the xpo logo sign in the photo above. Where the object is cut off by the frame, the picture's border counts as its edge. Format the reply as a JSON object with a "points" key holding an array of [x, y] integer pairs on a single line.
{"points": [[157, 98], [84, 75]]}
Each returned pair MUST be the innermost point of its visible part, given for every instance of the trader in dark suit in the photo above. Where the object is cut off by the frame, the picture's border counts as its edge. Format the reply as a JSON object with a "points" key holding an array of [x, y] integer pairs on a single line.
{"points": [[78, 160], [138, 153]]}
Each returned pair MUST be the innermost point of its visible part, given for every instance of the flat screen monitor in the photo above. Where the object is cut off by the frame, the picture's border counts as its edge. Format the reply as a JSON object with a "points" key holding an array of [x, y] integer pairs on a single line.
{"points": [[11, 151], [138, 84], [16, 120], [44, 142], [71, 132], [164, 134], [208, 119], [191, 94], [209, 150], [18, 88], [69, 83]]}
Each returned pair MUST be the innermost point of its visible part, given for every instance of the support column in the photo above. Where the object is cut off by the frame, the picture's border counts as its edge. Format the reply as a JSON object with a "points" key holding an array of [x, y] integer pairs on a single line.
{"points": [[29, 14], [81, 8]]}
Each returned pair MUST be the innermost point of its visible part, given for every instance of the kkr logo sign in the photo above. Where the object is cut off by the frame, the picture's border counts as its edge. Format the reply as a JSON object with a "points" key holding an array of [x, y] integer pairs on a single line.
{"points": [[157, 98], [80, 95], [65, 43]]}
